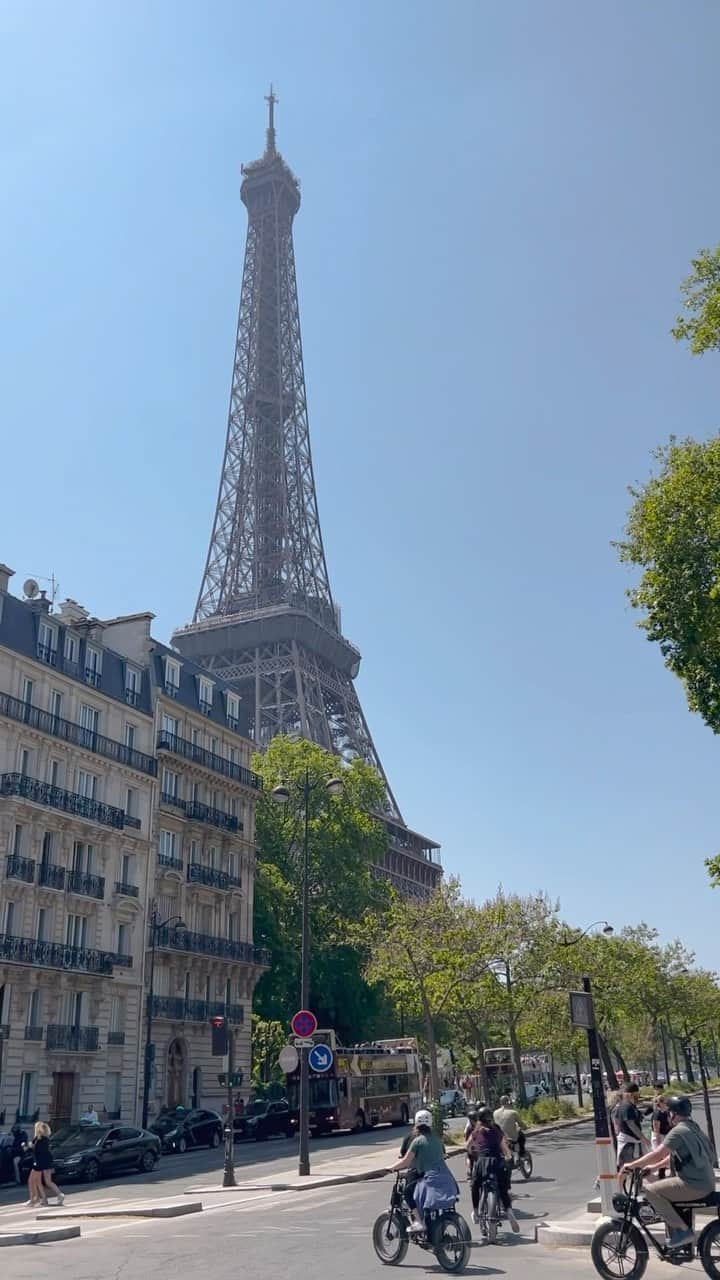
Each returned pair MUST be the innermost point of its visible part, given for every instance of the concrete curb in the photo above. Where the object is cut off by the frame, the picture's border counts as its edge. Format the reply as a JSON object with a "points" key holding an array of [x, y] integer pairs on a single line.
{"points": [[125, 1211], [563, 1235], [38, 1237]]}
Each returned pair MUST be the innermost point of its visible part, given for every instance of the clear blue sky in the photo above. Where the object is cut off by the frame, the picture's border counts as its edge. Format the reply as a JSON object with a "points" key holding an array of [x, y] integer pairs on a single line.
{"points": [[499, 202]]}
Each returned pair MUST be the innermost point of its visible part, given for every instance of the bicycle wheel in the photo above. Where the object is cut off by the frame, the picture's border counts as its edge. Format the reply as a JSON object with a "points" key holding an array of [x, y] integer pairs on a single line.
{"points": [[389, 1238], [525, 1165], [483, 1212], [493, 1216], [618, 1254], [450, 1240], [709, 1249]]}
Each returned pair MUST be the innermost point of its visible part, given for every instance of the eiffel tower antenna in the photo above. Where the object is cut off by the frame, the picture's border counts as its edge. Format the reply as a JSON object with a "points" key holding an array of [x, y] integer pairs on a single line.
{"points": [[265, 618]]}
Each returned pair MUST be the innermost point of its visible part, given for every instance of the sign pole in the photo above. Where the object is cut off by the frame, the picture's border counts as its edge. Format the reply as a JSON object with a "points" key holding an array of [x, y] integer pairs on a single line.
{"points": [[304, 1157], [604, 1147], [229, 1166]]}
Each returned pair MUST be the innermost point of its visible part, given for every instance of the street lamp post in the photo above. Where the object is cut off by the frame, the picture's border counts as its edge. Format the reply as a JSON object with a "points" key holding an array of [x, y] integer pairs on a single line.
{"points": [[155, 927], [582, 1014], [334, 787]]}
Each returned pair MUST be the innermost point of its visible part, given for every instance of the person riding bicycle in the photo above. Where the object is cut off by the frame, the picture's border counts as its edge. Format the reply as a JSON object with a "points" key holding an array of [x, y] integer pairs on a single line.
{"points": [[435, 1186], [690, 1156], [489, 1148], [469, 1126], [509, 1121]]}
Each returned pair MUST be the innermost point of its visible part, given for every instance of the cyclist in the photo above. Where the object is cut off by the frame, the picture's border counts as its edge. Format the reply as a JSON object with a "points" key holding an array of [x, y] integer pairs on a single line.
{"points": [[470, 1125], [690, 1156], [509, 1121], [487, 1142], [434, 1187]]}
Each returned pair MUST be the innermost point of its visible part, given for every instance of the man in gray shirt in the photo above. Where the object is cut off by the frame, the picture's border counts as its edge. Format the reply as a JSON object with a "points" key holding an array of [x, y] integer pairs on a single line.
{"points": [[690, 1156]]}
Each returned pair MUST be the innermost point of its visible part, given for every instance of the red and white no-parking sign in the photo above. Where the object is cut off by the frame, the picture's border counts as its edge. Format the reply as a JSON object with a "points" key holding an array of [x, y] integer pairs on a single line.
{"points": [[304, 1024]]}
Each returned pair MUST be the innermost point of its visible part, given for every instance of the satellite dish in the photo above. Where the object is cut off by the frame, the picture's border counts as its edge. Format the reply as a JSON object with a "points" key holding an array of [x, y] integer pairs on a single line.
{"points": [[31, 588]]}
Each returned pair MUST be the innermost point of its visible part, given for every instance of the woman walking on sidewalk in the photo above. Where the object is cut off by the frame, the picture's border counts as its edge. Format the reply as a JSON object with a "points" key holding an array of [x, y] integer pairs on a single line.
{"points": [[42, 1163]]}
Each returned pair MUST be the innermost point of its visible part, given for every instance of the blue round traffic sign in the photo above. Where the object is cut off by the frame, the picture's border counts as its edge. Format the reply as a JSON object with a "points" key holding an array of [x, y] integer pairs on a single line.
{"points": [[320, 1058], [304, 1023]]}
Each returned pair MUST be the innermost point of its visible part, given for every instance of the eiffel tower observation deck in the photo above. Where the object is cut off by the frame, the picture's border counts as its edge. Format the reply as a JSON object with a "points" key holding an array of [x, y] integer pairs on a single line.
{"points": [[265, 618]]}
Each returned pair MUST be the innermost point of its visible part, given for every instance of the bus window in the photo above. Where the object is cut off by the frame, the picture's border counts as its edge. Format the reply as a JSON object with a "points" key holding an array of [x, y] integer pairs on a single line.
{"points": [[392, 1084]]}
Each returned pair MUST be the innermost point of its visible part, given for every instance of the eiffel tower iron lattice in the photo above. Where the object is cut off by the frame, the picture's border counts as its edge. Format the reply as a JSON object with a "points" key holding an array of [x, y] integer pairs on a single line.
{"points": [[265, 617]]}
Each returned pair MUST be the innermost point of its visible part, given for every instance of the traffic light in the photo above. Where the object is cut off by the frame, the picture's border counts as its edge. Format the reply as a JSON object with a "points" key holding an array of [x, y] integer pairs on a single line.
{"points": [[219, 1036]]}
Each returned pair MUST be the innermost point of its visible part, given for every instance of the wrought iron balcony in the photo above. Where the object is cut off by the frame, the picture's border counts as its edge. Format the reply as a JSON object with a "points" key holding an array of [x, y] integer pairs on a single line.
{"points": [[46, 653], [169, 862], [208, 760], [121, 961], [132, 822], [128, 890], [34, 1033], [23, 712], [17, 868], [116, 1037], [18, 784], [51, 876], [53, 955], [197, 812], [208, 945], [175, 1009], [198, 874], [86, 884], [92, 677], [72, 1039], [132, 697]]}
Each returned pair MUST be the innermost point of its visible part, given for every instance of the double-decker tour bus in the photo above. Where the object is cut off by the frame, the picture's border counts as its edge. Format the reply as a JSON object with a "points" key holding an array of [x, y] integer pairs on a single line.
{"points": [[366, 1084]]}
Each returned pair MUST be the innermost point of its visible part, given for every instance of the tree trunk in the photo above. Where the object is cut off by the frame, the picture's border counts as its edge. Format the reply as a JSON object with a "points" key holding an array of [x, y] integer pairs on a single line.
{"points": [[578, 1082], [675, 1056], [622, 1064], [432, 1054], [607, 1062], [665, 1055], [689, 1074], [553, 1078], [517, 1062]]}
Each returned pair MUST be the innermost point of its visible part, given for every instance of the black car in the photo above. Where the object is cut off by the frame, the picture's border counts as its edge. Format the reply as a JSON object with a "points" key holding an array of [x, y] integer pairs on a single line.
{"points": [[265, 1119], [181, 1129], [90, 1151]]}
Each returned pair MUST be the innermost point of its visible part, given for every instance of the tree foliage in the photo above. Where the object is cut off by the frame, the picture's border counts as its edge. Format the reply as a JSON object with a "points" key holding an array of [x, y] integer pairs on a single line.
{"points": [[673, 536], [344, 840], [700, 325]]}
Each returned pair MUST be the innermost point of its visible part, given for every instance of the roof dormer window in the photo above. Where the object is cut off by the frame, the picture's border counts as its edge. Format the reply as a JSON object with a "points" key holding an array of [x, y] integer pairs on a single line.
{"points": [[172, 677], [205, 694], [232, 710]]}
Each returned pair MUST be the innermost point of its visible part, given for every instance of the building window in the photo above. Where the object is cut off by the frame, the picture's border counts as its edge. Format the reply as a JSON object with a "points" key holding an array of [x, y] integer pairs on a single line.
{"points": [[205, 694], [9, 918], [170, 726], [113, 1080], [54, 773], [232, 755], [17, 845], [71, 648], [86, 784], [47, 848], [130, 736], [83, 857], [126, 869], [26, 1101], [27, 691], [25, 762], [93, 666], [195, 792], [76, 931], [47, 644], [232, 708], [56, 704], [233, 922], [117, 1012], [169, 784], [172, 677], [131, 802], [33, 1009], [41, 930], [123, 939], [133, 684], [89, 722], [167, 844]]}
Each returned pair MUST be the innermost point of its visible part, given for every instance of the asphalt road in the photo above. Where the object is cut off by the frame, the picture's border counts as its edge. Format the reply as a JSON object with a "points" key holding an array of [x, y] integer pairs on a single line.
{"points": [[325, 1231]]}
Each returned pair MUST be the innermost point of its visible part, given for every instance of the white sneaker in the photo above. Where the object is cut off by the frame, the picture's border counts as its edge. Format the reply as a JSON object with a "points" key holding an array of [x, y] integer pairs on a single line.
{"points": [[515, 1225], [475, 1216]]}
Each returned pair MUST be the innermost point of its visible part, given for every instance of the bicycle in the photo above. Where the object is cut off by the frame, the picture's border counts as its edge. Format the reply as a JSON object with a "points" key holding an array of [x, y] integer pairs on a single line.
{"points": [[524, 1162], [446, 1234], [488, 1210], [620, 1247]]}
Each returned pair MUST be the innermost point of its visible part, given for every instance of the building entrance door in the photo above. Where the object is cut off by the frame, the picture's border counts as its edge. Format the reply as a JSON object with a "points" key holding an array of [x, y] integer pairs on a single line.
{"points": [[61, 1100]]}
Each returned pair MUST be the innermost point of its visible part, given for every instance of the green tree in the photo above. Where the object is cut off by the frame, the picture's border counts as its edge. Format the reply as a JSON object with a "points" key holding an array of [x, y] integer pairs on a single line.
{"points": [[700, 326], [421, 952], [344, 840], [673, 536], [268, 1039]]}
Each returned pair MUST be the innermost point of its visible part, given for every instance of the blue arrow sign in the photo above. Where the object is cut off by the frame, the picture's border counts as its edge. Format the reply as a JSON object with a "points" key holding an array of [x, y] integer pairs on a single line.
{"points": [[320, 1057]]}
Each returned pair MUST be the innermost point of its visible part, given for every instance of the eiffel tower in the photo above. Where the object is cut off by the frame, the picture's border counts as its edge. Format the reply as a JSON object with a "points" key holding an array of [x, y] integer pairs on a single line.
{"points": [[265, 618]]}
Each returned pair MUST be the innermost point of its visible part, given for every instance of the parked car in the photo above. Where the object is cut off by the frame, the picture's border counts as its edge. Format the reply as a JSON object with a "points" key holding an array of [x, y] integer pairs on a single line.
{"points": [[180, 1129], [90, 1151], [265, 1119], [453, 1102]]}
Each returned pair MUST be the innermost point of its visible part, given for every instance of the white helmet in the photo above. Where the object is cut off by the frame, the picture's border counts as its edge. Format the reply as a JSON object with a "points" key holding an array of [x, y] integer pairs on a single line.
{"points": [[423, 1117]]}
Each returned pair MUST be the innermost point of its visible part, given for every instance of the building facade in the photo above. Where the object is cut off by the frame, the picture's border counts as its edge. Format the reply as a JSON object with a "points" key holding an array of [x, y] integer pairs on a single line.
{"points": [[127, 818]]}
